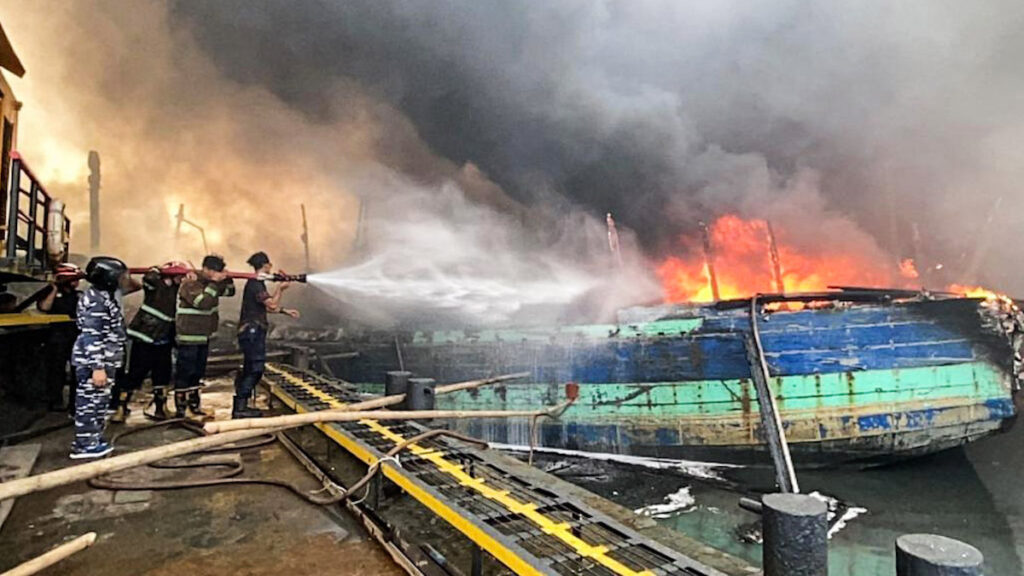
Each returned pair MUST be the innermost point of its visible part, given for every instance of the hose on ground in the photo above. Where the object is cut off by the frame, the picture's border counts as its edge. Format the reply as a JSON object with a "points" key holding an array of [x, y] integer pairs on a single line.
{"points": [[233, 466]]}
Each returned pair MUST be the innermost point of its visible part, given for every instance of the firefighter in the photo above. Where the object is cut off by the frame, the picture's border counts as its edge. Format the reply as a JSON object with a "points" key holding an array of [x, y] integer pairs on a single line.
{"points": [[252, 333], [151, 335], [97, 354], [195, 322], [62, 299]]}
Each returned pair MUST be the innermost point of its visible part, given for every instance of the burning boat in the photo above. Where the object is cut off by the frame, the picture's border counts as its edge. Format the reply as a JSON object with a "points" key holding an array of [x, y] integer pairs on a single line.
{"points": [[859, 376]]}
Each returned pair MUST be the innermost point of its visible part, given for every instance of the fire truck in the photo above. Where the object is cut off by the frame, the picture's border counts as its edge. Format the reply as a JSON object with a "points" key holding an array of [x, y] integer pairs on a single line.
{"points": [[34, 237]]}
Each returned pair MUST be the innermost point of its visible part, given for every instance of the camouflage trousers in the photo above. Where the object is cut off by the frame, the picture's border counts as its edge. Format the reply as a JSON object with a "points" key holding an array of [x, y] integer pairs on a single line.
{"points": [[90, 409]]}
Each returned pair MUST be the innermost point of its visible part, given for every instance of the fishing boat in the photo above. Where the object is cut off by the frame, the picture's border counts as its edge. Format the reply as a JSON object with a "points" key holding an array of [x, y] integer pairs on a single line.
{"points": [[859, 376]]}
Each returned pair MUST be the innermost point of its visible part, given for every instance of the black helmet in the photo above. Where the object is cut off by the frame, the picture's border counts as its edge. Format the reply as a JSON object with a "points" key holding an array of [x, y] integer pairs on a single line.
{"points": [[105, 272]]}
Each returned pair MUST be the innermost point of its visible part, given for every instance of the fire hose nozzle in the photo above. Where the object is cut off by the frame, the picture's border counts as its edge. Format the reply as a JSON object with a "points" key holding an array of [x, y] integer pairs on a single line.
{"points": [[278, 277]]}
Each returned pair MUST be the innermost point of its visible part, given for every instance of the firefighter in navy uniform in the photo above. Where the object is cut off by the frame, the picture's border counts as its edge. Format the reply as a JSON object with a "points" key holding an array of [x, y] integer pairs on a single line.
{"points": [[252, 333], [97, 354], [151, 334], [195, 322]]}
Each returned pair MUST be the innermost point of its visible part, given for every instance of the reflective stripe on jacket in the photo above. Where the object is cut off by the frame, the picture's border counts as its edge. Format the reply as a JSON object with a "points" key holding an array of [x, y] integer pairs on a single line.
{"points": [[196, 317], [154, 322]]}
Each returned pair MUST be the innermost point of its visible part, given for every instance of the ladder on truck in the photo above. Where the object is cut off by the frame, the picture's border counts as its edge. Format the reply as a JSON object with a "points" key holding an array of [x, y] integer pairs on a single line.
{"points": [[35, 232]]}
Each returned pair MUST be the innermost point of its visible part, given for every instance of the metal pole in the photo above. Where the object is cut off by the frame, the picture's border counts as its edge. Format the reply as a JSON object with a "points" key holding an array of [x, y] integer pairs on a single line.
{"points": [[773, 249], [398, 352], [45, 258], [360, 239], [94, 201], [180, 218], [795, 535], [709, 261], [613, 240], [33, 214], [305, 236], [933, 555], [12, 215], [771, 421]]}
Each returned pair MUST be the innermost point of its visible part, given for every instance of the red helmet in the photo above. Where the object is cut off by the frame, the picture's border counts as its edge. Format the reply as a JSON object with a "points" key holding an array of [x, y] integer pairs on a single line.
{"points": [[68, 272]]}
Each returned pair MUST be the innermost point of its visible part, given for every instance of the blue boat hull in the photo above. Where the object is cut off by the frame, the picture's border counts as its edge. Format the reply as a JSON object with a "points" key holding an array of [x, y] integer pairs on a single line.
{"points": [[858, 383]]}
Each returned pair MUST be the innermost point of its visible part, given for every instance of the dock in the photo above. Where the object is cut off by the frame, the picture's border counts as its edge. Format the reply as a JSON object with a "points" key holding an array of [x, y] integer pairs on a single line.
{"points": [[524, 520]]}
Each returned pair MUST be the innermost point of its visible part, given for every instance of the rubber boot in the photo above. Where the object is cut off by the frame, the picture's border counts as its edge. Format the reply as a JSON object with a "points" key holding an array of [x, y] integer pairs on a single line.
{"points": [[121, 410], [240, 409], [159, 404], [180, 403], [193, 404]]}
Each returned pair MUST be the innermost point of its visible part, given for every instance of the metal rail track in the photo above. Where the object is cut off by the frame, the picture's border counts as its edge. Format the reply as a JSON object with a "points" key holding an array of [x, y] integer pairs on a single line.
{"points": [[528, 528]]}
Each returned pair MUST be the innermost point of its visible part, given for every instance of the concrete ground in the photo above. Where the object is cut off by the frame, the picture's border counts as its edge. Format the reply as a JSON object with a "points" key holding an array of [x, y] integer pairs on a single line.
{"points": [[243, 530]]}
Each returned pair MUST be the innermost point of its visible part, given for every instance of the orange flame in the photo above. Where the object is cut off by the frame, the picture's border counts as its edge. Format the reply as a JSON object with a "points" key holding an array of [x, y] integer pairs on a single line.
{"points": [[743, 265], [975, 292], [908, 269]]}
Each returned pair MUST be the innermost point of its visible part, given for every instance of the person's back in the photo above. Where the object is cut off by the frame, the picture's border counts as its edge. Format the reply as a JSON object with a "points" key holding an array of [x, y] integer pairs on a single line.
{"points": [[152, 340], [195, 322], [197, 315], [154, 321]]}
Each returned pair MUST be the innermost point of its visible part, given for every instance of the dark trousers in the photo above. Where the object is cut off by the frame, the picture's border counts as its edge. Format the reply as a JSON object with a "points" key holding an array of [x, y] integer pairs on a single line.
{"points": [[191, 366], [58, 353], [90, 409], [152, 360], [253, 342]]}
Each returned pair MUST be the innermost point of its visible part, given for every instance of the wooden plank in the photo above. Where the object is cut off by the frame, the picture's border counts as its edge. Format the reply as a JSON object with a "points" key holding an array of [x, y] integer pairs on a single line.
{"points": [[15, 462]]}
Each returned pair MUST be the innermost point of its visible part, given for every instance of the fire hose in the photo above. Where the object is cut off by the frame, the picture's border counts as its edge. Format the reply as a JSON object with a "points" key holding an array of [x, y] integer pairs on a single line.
{"points": [[233, 466], [177, 269]]}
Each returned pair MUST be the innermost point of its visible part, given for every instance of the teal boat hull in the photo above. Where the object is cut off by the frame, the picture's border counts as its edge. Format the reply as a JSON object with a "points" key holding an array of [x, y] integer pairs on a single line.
{"points": [[864, 383]]}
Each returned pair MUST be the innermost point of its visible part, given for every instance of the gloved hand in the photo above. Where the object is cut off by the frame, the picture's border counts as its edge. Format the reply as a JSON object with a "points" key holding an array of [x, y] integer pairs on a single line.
{"points": [[227, 287]]}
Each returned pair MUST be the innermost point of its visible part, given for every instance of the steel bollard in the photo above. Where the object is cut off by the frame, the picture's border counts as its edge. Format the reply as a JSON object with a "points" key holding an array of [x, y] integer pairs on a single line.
{"points": [[933, 555], [795, 535], [396, 383], [300, 357], [420, 395]]}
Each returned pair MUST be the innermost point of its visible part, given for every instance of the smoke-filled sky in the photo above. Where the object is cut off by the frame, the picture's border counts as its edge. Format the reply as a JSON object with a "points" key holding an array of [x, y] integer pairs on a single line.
{"points": [[847, 124]]}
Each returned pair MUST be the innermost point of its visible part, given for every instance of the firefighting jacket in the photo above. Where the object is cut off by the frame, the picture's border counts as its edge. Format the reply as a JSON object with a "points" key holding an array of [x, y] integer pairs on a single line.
{"points": [[154, 322], [100, 342], [197, 318]]}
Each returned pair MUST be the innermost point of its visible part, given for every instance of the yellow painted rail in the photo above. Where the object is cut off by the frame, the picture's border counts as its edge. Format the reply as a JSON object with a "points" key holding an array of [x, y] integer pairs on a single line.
{"points": [[25, 319], [514, 557]]}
